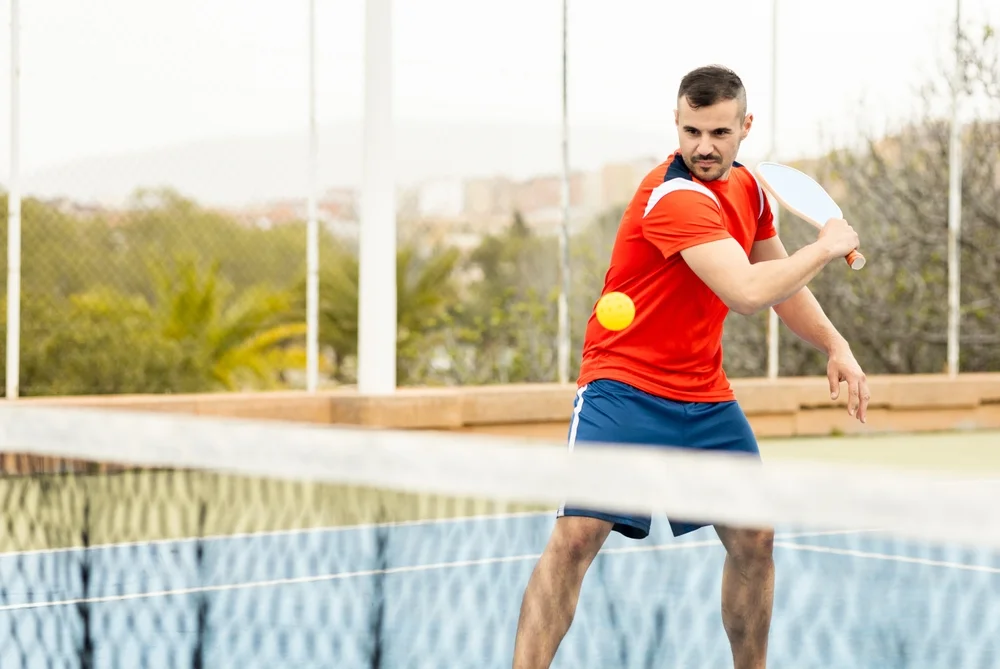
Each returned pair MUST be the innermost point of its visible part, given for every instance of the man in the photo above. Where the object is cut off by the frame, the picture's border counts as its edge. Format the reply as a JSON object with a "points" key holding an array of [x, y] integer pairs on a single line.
{"points": [[696, 241]]}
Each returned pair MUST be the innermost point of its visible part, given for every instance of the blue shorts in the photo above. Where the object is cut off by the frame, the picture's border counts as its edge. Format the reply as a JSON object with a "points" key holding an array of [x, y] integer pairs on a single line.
{"points": [[614, 412]]}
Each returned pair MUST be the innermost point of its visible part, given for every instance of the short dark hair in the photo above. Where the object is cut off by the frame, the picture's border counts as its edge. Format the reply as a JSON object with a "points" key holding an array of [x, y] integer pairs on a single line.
{"points": [[708, 85]]}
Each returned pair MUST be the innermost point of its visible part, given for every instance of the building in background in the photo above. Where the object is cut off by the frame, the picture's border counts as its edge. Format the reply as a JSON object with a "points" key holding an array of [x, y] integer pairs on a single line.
{"points": [[460, 212]]}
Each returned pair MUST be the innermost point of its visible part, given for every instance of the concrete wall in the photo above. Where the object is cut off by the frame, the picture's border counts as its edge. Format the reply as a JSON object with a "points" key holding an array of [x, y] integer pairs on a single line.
{"points": [[784, 407]]}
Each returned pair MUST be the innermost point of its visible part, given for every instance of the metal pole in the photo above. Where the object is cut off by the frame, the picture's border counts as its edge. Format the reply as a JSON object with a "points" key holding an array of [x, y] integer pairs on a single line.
{"points": [[773, 326], [955, 204], [564, 270], [14, 211], [312, 227], [377, 256]]}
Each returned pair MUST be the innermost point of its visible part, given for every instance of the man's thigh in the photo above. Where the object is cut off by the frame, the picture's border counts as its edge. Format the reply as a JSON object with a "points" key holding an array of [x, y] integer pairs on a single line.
{"points": [[610, 412], [716, 427], [579, 538], [720, 426], [745, 544]]}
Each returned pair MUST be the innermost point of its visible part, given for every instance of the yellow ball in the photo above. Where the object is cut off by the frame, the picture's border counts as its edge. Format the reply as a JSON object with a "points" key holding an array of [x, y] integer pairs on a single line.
{"points": [[615, 311]]}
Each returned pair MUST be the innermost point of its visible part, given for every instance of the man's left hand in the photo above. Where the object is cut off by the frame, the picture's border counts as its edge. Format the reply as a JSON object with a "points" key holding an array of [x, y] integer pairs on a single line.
{"points": [[843, 367]]}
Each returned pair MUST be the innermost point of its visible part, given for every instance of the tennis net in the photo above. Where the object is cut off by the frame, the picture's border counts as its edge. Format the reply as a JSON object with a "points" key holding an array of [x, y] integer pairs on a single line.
{"points": [[155, 540]]}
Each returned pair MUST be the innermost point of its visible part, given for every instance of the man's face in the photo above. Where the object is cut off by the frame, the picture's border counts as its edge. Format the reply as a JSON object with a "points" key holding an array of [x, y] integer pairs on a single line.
{"points": [[710, 137]]}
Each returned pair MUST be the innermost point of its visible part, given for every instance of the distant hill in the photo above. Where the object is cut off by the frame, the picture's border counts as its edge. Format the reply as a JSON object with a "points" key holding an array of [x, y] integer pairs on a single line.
{"points": [[236, 171]]}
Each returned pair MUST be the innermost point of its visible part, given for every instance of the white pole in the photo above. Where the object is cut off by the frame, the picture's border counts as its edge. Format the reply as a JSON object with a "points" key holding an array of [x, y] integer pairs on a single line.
{"points": [[377, 256], [954, 204], [312, 228], [14, 211], [772, 315], [564, 271]]}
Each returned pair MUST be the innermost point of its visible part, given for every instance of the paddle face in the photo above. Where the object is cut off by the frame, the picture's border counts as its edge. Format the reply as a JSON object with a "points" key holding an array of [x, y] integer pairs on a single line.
{"points": [[800, 193], [804, 197]]}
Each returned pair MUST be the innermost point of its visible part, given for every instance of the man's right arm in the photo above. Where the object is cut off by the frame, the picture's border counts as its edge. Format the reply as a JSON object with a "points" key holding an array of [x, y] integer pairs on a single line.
{"points": [[686, 219], [748, 288]]}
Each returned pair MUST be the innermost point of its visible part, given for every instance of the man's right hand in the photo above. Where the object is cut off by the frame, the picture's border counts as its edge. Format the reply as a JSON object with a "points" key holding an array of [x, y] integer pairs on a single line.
{"points": [[838, 237]]}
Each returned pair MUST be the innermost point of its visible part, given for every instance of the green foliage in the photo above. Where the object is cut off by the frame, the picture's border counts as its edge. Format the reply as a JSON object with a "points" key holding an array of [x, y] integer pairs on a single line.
{"points": [[425, 289], [97, 343], [233, 340], [505, 324], [121, 306]]}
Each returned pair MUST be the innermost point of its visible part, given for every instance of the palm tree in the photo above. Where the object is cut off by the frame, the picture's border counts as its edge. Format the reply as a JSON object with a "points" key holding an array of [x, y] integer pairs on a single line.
{"points": [[424, 290], [252, 337]]}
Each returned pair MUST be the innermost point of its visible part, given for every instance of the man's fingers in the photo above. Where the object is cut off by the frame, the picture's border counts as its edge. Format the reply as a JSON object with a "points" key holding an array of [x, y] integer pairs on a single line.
{"points": [[865, 397], [857, 388], [854, 396], [834, 378]]}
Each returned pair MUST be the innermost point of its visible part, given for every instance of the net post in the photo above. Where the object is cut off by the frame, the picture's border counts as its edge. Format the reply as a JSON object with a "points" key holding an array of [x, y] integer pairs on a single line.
{"points": [[14, 212], [773, 329], [564, 268], [955, 203], [312, 226], [377, 239]]}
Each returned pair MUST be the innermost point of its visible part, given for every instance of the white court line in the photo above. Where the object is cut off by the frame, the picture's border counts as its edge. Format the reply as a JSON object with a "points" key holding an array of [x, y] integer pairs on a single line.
{"points": [[339, 576], [823, 533], [886, 556]]}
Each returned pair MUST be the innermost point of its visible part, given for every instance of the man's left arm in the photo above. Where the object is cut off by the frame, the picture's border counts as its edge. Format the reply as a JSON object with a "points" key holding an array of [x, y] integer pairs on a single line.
{"points": [[805, 317]]}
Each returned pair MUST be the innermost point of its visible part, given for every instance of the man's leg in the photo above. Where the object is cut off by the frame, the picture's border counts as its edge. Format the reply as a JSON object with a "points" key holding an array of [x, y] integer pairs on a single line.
{"points": [[747, 593], [550, 598]]}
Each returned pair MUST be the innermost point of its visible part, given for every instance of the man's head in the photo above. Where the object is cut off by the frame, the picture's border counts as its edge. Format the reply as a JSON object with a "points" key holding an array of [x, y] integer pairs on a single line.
{"points": [[712, 120]]}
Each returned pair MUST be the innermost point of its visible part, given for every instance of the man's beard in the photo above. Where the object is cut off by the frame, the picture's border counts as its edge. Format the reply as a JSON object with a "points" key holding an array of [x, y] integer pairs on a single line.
{"points": [[707, 172]]}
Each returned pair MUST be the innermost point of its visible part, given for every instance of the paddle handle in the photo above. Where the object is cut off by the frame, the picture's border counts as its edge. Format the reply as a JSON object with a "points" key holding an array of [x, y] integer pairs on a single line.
{"points": [[855, 260]]}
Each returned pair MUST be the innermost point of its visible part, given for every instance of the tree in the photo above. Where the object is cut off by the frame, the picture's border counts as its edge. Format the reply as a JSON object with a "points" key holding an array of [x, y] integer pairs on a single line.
{"points": [[194, 336], [235, 340], [96, 344], [504, 328], [895, 190], [425, 290]]}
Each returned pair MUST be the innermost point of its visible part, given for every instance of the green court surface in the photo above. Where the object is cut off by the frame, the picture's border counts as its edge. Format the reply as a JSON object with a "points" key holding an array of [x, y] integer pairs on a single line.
{"points": [[54, 511], [975, 452]]}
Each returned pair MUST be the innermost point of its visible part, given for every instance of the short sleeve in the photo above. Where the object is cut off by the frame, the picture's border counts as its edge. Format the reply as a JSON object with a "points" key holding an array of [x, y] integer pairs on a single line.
{"points": [[681, 215], [765, 222]]}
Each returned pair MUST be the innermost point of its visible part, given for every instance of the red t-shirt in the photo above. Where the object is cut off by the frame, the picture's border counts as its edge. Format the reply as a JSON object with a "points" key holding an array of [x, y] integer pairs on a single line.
{"points": [[673, 347]]}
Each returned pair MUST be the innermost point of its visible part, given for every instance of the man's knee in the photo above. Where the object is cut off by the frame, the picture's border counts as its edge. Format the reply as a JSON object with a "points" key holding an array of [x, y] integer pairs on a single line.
{"points": [[577, 539], [747, 546]]}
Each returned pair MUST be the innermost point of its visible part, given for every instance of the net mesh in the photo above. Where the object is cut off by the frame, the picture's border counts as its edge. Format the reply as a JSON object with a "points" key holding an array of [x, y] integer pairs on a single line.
{"points": [[143, 540]]}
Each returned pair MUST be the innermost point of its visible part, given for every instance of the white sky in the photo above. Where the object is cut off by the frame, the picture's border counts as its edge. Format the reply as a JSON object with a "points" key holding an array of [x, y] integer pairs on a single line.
{"points": [[108, 76]]}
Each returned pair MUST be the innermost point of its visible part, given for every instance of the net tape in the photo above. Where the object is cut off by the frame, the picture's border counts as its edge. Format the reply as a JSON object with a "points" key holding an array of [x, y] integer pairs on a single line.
{"points": [[730, 489]]}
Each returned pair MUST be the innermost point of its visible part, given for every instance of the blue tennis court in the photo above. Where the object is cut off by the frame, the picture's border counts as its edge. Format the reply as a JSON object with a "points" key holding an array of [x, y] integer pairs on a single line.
{"points": [[446, 594]]}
